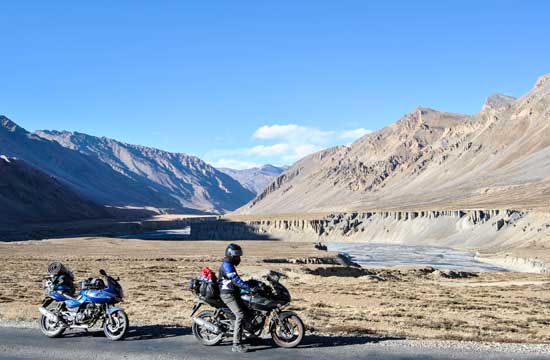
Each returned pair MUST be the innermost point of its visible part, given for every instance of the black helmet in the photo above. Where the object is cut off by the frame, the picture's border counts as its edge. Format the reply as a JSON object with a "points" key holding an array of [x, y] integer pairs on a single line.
{"points": [[233, 253]]}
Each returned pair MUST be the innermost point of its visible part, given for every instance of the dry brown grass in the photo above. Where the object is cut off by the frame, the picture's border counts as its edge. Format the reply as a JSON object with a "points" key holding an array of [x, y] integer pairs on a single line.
{"points": [[512, 307]]}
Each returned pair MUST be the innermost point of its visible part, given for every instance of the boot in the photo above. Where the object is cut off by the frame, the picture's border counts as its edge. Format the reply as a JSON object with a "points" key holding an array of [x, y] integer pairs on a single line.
{"points": [[240, 348]]}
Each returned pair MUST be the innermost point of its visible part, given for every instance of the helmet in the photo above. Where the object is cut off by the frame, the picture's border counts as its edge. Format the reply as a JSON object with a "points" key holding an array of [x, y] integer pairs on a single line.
{"points": [[233, 253]]}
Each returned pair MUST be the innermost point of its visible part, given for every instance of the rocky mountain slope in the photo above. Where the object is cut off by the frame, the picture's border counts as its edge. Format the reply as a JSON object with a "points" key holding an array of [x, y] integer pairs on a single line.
{"points": [[28, 195], [189, 182], [498, 158], [255, 179], [112, 173], [88, 176]]}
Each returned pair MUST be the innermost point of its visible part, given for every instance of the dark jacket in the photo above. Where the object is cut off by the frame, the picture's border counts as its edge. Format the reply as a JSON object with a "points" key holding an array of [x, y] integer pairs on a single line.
{"points": [[230, 282]]}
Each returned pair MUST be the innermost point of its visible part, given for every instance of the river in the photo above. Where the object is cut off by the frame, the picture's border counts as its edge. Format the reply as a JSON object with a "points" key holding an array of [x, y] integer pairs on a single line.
{"points": [[384, 255]]}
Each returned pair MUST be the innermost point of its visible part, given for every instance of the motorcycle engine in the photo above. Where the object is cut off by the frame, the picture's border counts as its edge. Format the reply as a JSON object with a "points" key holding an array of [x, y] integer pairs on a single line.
{"points": [[255, 324], [87, 314]]}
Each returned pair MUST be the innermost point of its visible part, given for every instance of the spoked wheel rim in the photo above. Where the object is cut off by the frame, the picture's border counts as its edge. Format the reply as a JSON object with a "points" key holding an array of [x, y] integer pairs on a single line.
{"points": [[50, 326], [116, 328], [202, 334], [288, 332]]}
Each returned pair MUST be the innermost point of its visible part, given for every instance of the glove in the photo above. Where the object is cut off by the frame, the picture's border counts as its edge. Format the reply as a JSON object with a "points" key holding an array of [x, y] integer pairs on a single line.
{"points": [[255, 291]]}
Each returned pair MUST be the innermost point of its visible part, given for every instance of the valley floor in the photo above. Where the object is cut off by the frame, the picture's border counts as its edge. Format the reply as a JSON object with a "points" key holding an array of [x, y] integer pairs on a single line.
{"points": [[413, 303]]}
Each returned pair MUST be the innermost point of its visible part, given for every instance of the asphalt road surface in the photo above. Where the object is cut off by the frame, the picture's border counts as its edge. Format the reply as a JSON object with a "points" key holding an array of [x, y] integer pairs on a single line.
{"points": [[155, 342]]}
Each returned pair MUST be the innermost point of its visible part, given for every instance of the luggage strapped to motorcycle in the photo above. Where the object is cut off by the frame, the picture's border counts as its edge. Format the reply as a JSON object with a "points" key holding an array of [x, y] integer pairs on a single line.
{"points": [[206, 285]]}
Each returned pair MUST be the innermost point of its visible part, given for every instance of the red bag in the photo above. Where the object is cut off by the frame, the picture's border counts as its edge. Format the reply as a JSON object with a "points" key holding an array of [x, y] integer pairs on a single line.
{"points": [[209, 274]]}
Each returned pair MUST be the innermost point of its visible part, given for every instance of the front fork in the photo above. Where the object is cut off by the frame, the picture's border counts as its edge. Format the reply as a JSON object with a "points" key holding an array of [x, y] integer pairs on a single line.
{"points": [[276, 317], [109, 310], [47, 302], [108, 317]]}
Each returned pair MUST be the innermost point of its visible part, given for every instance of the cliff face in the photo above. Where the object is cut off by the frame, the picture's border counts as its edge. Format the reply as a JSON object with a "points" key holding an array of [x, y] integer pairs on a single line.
{"points": [[498, 158], [400, 226], [515, 238]]}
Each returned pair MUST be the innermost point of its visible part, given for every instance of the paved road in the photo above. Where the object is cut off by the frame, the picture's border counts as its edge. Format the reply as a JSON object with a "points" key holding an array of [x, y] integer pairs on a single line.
{"points": [[177, 343]]}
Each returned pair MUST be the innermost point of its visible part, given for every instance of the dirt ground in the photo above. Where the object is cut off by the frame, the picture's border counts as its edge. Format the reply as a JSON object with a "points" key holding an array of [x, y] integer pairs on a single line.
{"points": [[413, 303]]}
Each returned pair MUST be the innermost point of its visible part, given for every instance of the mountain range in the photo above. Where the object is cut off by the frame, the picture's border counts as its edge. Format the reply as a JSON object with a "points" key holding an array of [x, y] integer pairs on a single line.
{"points": [[255, 179], [110, 172], [497, 158], [190, 182]]}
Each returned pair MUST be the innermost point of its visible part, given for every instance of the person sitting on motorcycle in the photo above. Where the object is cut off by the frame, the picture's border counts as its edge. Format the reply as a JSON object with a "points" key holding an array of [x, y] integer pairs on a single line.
{"points": [[230, 286]]}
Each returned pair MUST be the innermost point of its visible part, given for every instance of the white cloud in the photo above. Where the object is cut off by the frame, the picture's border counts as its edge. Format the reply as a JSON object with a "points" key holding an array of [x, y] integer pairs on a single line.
{"points": [[269, 150], [292, 133], [354, 134], [283, 144], [300, 151], [270, 132], [235, 164]]}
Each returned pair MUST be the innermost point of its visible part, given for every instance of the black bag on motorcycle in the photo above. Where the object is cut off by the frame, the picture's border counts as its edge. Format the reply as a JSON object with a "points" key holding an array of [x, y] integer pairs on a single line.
{"points": [[195, 285], [63, 278], [205, 288], [209, 290], [92, 284], [206, 285]]}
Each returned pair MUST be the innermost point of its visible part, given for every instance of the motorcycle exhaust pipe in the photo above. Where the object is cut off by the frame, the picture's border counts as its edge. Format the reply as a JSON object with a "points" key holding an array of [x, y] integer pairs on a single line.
{"points": [[207, 325], [47, 313]]}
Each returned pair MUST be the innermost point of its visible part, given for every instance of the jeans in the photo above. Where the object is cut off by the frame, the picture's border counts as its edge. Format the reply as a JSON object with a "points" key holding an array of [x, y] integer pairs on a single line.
{"points": [[233, 304]]}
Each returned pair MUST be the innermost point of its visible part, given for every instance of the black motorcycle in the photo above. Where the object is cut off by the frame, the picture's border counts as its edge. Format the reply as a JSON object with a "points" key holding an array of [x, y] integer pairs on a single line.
{"points": [[263, 310]]}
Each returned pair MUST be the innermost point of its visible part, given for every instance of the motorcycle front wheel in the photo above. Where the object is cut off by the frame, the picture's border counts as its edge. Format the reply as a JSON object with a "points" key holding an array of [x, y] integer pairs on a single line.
{"points": [[50, 328], [204, 336], [117, 328], [287, 330]]}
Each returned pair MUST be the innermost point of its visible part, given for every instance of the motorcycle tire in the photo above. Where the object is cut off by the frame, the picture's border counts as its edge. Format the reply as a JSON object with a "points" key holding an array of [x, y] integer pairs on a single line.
{"points": [[291, 322], [46, 330], [199, 332], [122, 325]]}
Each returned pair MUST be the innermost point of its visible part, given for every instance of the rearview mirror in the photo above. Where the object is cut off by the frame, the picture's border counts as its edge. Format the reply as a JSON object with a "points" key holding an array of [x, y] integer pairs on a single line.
{"points": [[102, 272]]}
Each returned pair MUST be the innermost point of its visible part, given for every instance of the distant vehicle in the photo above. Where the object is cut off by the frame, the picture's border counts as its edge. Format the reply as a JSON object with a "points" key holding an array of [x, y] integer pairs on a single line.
{"points": [[264, 311], [320, 246], [95, 303]]}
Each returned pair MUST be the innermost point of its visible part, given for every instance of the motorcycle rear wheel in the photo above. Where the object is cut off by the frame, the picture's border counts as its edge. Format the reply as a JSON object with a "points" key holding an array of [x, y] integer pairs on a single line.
{"points": [[289, 332], [118, 329], [49, 329], [204, 336]]}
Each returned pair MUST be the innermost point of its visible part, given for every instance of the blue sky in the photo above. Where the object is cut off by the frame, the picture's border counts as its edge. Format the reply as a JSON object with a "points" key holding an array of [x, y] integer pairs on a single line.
{"points": [[241, 83]]}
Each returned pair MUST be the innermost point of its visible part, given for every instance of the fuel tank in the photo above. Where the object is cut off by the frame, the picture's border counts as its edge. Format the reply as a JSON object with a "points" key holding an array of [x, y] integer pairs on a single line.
{"points": [[259, 302], [98, 296]]}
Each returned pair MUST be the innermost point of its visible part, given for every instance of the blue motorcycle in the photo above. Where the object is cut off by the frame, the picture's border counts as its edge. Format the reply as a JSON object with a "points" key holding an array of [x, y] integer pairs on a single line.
{"points": [[61, 310]]}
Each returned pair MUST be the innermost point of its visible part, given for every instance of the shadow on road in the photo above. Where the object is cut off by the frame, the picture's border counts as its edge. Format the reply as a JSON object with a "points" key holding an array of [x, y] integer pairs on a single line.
{"points": [[155, 332], [140, 332], [151, 332], [333, 341], [320, 341]]}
